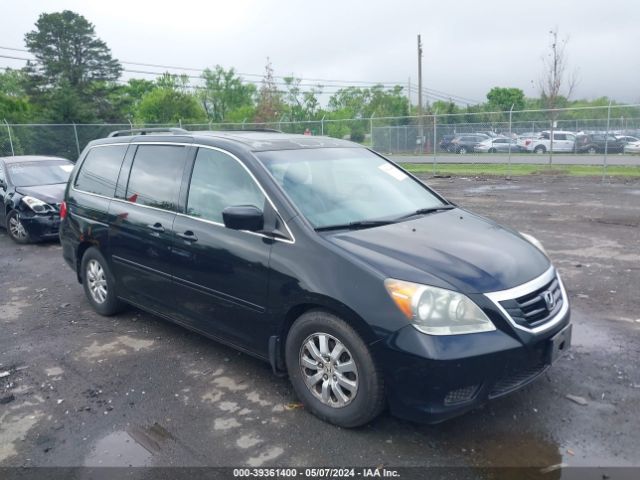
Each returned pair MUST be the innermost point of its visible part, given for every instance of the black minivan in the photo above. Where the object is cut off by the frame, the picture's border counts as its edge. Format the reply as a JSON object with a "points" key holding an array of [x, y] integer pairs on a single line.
{"points": [[322, 257]]}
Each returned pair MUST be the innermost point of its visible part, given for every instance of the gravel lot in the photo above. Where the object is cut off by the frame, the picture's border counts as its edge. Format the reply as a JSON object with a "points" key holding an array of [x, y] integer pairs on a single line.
{"points": [[135, 390]]}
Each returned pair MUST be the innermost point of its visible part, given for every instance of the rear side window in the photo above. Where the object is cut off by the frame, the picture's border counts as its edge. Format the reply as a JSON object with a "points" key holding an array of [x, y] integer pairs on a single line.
{"points": [[219, 181], [560, 136], [100, 169], [156, 175]]}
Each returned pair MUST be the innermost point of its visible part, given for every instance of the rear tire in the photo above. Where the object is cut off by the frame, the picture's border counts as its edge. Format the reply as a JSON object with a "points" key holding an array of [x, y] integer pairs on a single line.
{"points": [[332, 370], [99, 284], [592, 150], [540, 149], [15, 229], [492, 150], [462, 150]]}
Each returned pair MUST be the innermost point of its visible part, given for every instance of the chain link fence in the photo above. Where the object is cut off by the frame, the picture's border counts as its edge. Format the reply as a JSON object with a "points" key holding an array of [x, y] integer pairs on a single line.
{"points": [[486, 137]]}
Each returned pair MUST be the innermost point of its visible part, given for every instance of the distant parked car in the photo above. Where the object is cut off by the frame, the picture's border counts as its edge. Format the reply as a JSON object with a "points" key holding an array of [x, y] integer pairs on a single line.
{"points": [[633, 147], [596, 142], [466, 143], [445, 143], [627, 139], [31, 190], [563, 141], [495, 145]]}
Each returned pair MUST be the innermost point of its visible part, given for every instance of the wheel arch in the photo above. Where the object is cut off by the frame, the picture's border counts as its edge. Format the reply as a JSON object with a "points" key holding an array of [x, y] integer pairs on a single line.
{"points": [[324, 304]]}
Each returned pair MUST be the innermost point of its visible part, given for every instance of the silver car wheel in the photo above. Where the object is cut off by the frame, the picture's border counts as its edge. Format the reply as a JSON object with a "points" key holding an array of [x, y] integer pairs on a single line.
{"points": [[97, 281], [16, 228], [329, 370]]}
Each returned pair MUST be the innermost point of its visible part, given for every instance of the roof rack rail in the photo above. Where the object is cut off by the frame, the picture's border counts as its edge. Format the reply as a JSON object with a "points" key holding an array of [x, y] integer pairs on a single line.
{"points": [[146, 131], [273, 130]]}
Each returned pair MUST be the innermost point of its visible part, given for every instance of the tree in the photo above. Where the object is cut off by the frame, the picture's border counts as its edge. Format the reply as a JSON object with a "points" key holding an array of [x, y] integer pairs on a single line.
{"points": [[168, 105], [501, 99], [224, 92], [71, 64], [270, 105], [555, 84]]}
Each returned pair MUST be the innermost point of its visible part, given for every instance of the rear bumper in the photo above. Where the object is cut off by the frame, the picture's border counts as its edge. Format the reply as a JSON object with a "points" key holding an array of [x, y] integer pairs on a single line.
{"points": [[41, 227], [432, 379]]}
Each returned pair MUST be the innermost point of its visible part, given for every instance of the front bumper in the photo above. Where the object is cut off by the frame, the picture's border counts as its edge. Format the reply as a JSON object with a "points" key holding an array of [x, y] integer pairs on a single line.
{"points": [[433, 378], [40, 226]]}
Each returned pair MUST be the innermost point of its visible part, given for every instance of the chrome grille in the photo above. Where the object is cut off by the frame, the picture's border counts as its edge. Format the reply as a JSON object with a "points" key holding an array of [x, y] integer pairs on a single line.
{"points": [[532, 309]]}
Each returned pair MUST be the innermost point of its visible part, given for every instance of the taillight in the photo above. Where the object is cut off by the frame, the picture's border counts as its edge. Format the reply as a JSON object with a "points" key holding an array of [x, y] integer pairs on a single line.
{"points": [[63, 210]]}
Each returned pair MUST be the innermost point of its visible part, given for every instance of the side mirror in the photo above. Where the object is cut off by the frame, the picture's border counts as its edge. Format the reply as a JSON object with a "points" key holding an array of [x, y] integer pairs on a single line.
{"points": [[243, 217]]}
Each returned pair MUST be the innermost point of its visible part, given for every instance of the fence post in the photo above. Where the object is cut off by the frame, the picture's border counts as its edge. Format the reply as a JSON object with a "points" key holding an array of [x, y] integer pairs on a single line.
{"points": [[606, 142], [371, 129], [75, 134], [510, 140], [180, 122], [435, 143], [130, 126], [13, 153], [322, 126]]}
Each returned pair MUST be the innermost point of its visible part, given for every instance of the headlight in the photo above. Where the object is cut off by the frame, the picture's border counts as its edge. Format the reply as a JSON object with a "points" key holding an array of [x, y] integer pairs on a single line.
{"points": [[437, 311], [535, 242], [36, 205]]}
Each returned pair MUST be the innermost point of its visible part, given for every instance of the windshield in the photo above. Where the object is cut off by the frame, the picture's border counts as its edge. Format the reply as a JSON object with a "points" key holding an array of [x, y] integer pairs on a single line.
{"points": [[31, 174], [339, 186]]}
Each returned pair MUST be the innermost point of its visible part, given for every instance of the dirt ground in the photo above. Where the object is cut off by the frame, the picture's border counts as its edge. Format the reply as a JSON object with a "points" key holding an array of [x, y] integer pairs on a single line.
{"points": [[134, 390]]}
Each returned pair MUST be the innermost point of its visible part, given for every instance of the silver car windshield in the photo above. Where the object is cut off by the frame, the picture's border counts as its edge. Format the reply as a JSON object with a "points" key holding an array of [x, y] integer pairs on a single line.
{"points": [[341, 186]]}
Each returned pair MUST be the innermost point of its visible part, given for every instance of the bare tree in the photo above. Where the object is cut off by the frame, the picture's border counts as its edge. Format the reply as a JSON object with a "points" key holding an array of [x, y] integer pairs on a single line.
{"points": [[556, 84]]}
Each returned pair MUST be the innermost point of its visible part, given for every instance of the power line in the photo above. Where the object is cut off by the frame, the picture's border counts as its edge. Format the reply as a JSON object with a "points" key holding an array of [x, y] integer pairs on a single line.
{"points": [[354, 83]]}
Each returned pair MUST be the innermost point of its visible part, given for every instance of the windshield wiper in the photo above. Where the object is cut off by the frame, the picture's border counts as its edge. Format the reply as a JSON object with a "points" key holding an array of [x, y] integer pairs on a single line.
{"points": [[425, 211], [355, 225]]}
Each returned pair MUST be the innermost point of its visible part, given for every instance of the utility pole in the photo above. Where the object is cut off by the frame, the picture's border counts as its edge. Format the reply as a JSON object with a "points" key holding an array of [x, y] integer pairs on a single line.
{"points": [[420, 120]]}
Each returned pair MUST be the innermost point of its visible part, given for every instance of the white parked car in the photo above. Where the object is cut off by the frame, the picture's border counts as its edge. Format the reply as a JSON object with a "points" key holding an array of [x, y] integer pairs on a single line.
{"points": [[633, 147], [563, 141]]}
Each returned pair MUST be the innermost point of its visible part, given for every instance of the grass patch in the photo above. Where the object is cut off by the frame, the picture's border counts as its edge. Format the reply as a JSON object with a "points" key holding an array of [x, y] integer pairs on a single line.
{"points": [[519, 169]]}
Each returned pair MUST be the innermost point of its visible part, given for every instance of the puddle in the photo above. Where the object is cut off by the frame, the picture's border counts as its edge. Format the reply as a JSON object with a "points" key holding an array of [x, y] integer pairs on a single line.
{"points": [[488, 188], [134, 447], [118, 449]]}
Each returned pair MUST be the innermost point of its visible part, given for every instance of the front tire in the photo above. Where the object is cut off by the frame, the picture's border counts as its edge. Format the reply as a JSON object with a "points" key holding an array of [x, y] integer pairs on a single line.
{"points": [[332, 370], [16, 230], [99, 284], [462, 150], [540, 150]]}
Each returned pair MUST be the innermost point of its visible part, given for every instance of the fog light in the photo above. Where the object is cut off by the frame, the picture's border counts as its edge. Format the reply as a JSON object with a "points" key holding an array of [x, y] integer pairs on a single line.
{"points": [[460, 395]]}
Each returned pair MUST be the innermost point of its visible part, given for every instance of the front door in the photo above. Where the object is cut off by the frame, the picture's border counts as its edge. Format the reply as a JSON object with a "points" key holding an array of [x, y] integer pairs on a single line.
{"points": [[141, 229], [221, 275]]}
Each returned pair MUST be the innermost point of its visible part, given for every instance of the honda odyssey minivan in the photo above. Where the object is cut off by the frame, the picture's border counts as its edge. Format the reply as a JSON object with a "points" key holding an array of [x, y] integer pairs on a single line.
{"points": [[332, 263]]}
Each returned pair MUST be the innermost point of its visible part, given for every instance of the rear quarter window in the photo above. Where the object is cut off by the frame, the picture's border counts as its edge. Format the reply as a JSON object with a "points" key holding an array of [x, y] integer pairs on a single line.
{"points": [[99, 172]]}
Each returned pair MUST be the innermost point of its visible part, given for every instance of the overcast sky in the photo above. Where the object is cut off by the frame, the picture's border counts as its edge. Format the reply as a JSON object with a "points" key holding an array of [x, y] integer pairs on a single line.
{"points": [[469, 46]]}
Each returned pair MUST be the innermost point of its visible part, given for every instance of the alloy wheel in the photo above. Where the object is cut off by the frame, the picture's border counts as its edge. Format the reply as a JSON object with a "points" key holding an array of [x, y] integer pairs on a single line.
{"points": [[16, 228], [329, 370], [97, 281]]}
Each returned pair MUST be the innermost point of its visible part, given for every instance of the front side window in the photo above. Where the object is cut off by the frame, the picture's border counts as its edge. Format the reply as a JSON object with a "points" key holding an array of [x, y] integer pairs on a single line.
{"points": [[100, 169], [338, 186], [43, 172], [156, 175], [560, 136], [219, 181]]}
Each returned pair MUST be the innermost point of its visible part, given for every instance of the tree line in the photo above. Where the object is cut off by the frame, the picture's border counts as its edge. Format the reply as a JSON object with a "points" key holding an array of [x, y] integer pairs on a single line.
{"points": [[73, 78]]}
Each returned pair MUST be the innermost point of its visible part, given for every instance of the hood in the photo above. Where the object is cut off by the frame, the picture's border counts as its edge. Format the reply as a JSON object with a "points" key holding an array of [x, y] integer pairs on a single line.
{"points": [[451, 249], [51, 194]]}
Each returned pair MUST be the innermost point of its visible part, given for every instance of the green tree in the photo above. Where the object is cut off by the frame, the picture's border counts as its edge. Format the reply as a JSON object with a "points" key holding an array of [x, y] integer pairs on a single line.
{"points": [[501, 99], [71, 67], [168, 105], [270, 105], [223, 92]]}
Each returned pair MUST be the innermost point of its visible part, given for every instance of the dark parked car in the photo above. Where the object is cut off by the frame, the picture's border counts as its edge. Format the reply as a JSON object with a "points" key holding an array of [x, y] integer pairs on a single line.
{"points": [[466, 143], [31, 190], [321, 257], [445, 143], [595, 143]]}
